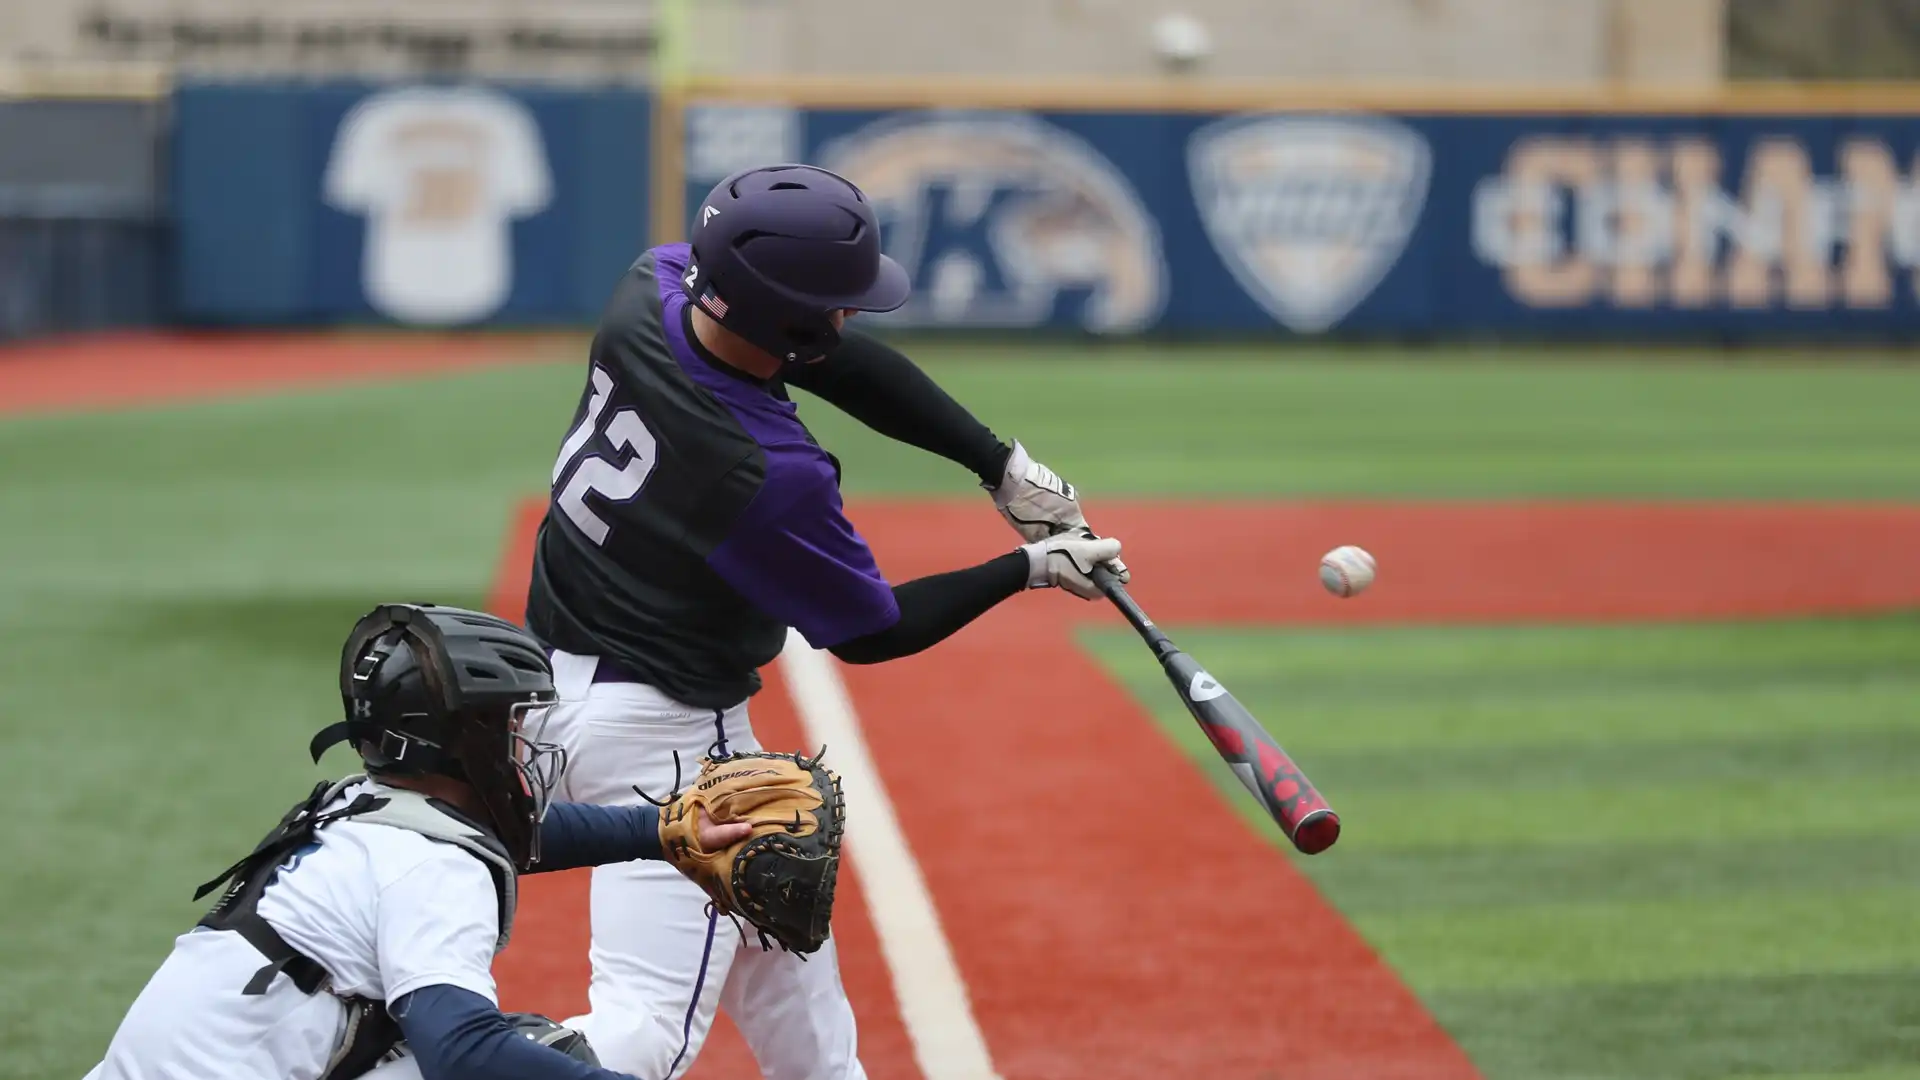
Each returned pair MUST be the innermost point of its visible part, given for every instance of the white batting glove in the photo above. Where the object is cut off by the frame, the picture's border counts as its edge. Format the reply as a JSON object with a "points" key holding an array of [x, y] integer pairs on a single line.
{"points": [[1037, 502], [1066, 561]]}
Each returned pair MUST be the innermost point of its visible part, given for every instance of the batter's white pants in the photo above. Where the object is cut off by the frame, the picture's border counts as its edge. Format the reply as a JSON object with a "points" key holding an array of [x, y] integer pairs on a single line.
{"points": [[661, 964]]}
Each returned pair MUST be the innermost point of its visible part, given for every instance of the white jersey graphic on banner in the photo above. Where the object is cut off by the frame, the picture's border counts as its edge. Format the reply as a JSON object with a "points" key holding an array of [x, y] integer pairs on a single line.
{"points": [[1309, 213], [440, 174]]}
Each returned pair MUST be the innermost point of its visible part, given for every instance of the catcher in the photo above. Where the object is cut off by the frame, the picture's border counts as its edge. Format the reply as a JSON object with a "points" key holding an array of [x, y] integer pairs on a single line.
{"points": [[357, 938]]}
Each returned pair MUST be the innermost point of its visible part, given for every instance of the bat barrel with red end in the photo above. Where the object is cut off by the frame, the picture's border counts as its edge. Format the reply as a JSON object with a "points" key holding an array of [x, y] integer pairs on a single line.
{"points": [[1316, 832]]}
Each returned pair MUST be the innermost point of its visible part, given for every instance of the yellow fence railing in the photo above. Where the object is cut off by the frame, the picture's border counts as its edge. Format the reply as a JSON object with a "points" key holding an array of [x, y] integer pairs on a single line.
{"points": [[84, 82], [1234, 95]]}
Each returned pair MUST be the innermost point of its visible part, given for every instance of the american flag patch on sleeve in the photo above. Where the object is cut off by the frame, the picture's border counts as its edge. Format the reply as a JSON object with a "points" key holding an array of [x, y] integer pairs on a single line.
{"points": [[714, 305]]}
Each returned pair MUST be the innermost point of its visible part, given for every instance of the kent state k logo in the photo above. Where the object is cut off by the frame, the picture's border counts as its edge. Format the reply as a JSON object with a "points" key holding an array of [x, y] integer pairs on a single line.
{"points": [[1005, 220]]}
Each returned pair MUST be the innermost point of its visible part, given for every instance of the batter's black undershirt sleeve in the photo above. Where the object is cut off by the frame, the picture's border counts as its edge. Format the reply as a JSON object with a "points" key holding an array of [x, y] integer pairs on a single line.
{"points": [[873, 383], [933, 608]]}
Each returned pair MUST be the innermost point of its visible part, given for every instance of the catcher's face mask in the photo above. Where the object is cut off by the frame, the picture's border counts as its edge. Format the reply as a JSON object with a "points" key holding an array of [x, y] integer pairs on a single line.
{"points": [[538, 763], [513, 772]]}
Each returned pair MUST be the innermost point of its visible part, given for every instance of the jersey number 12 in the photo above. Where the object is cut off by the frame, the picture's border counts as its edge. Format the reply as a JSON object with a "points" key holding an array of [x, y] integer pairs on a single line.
{"points": [[597, 474]]}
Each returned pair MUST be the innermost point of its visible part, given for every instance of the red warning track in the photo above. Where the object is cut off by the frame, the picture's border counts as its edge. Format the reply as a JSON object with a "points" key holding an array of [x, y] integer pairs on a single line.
{"points": [[105, 371], [1163, 936]]}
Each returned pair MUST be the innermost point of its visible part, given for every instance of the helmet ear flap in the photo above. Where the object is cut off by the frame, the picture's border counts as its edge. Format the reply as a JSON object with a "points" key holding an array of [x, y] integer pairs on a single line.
{"points": [[814, 338]]}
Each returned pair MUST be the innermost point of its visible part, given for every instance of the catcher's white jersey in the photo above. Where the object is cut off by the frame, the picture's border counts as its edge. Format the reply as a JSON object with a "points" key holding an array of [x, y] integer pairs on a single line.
{"points": [[385, 911]]}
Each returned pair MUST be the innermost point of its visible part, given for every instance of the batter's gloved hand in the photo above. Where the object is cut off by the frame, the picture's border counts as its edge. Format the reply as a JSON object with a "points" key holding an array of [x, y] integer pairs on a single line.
{"points": [[780, 877], [1038, 503], [1066, 560]]}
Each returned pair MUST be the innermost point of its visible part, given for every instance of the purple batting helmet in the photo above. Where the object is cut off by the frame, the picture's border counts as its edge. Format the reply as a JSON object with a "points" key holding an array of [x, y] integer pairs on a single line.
{"points": [[778, 249]]}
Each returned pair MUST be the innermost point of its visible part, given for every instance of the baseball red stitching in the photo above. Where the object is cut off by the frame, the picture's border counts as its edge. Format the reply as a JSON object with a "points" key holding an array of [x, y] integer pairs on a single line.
{"points": [[1346, 586]]}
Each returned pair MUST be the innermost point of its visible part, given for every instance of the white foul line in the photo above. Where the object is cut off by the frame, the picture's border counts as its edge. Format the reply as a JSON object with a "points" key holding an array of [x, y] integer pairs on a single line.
{"points": [[933, 998]]}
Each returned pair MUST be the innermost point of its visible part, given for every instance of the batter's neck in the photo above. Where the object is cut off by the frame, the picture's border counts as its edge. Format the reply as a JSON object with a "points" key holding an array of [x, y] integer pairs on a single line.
{"points": [[731, 349]]}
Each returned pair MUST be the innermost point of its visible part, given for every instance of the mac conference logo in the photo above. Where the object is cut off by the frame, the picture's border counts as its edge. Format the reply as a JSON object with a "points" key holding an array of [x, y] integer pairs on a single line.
{"points": [[1006, 221], [1309, 213]]}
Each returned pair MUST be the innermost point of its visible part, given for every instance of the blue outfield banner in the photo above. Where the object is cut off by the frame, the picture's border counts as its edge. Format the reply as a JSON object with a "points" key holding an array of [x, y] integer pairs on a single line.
{"points": [[1561, 226], [428, 205], [458, 204]]}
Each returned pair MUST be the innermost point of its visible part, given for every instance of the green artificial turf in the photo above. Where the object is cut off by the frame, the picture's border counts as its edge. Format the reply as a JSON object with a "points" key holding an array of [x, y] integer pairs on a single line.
{"points": [[175, 582], [1846, 1026], [1624, 851], [1445, 422]]}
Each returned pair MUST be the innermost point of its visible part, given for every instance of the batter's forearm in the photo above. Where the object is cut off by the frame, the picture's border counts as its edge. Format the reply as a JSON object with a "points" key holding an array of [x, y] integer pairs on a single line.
{"points": [[876, 385], [934, 608], [577, 834]]}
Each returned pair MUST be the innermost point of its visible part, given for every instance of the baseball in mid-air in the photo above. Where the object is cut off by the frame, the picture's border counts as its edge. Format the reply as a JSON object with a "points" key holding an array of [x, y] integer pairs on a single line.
{"points": [[1346, 571]]}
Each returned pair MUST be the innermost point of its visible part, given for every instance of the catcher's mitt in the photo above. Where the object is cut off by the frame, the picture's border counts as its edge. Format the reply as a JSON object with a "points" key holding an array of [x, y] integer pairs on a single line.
{"points": [[781, 877]]}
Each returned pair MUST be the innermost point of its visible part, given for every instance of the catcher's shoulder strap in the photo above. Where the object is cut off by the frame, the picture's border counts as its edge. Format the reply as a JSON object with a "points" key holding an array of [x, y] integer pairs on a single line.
{"points": [[377, 805], [370, 1034], [238, 908]]}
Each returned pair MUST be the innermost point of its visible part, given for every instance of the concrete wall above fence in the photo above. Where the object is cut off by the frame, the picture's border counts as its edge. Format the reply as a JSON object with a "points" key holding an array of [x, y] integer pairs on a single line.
{"points": [[1566, 41]]}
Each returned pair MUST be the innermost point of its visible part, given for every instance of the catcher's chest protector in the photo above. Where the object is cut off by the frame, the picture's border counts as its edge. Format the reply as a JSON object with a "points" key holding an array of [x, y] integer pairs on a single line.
{"points": [[370, 1034]]}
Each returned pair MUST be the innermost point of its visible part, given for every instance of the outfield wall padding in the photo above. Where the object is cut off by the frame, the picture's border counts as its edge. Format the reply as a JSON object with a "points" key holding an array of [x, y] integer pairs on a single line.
{"points": [[431, 205], [1249, 214]]}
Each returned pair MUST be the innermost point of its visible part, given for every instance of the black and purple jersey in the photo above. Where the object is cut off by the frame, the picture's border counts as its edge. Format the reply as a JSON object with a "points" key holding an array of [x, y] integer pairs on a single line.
{"points": [[693, 518]]}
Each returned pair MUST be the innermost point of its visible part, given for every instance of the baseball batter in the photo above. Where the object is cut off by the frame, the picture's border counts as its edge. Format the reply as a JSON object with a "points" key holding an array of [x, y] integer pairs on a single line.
{"points": [[693, 521]]}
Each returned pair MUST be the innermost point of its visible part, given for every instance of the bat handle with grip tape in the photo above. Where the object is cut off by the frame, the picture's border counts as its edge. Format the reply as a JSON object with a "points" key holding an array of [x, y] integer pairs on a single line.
{"points": [[1254, 756], [1109, 583]]}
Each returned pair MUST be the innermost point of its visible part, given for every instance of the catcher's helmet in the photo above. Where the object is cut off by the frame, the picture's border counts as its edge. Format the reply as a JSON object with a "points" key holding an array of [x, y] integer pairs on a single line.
{"points": [[547, 1033], [445, 691], [777, 250]]}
